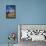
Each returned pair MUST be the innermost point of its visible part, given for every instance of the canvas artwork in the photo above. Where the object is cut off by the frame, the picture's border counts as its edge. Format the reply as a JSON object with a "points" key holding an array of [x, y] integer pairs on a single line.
{"points": [[33, 32], [10, 11]]}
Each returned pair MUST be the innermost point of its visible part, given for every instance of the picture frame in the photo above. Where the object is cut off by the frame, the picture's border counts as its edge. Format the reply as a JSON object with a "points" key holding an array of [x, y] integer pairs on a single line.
{"points": [[10, 11]]}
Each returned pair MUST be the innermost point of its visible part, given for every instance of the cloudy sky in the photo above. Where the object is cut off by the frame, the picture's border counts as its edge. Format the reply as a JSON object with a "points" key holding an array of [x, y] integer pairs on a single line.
{"points": [[10, 8]]}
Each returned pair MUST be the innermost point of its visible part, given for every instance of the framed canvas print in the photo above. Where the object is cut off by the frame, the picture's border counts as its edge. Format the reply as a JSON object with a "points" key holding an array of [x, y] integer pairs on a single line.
{"points": [[11, 11], [32, 32]]}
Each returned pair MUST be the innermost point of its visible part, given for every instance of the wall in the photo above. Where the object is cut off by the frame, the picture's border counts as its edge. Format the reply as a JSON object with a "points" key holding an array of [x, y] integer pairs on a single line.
{"points": [[27, 12], [6, 25], [31, 11]]}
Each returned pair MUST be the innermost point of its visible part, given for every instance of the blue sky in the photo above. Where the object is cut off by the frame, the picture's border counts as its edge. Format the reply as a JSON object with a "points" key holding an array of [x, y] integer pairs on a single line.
{"points": [[10, 8]]}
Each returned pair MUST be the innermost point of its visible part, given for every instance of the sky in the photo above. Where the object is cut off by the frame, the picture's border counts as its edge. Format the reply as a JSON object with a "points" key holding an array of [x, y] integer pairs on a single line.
{"points": [[10, 8]]}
